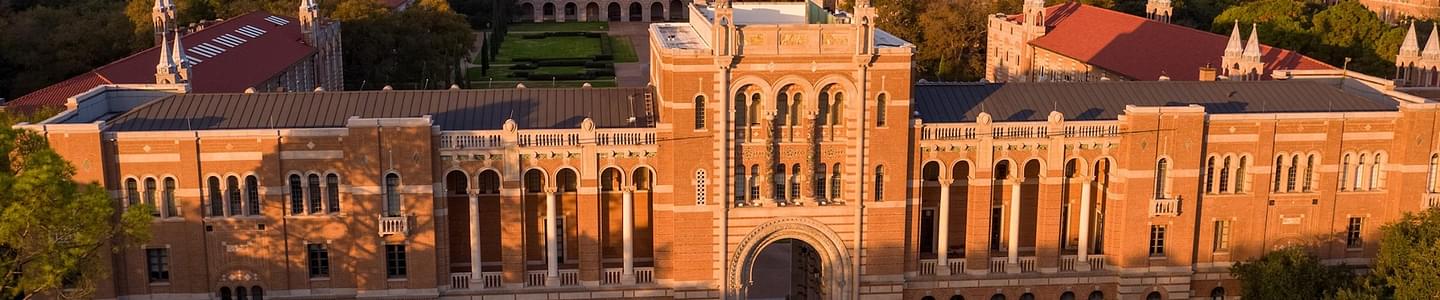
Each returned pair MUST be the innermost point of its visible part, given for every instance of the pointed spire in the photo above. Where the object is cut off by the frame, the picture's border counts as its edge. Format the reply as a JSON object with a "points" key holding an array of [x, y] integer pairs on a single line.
{"points": [[1410, 45], [177, 54], [1252, 48], [1233, 48], [1432, 45], [167, 63]]}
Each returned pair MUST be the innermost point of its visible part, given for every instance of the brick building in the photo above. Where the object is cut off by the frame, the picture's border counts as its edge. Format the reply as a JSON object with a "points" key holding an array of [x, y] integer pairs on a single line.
{"points": [[256, 51], [1078, 42], [803, 133]]}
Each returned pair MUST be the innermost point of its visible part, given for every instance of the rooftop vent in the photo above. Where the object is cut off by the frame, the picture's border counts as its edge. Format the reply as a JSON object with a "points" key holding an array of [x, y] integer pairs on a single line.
{"points": [[387, 88], [278, 21]]}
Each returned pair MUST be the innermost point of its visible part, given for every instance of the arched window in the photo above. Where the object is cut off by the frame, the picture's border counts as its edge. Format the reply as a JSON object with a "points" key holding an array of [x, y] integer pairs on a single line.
{"points": [[821, 172], [702, 183], [957, 297], [1377, 173], [741, 185], [755, 109], [1210, 175], [795, 108], [1153, 296], [217, 208], [1279, 166], [1225, 175], [998, 297], [1218, 293], [879, 183], [795, 182], [167, 198], [880, 109], [1241, 178], [1309, 173], [252, 195], [1096, 295], [392, 194], [1162, 167], [257, 293], [1290, 173], [312, 191], [332, 193], [1359, 173], [1067, 296], [835, 182], [782, 109], [754, 182], [822, 116], [150, 190], [297, 196], [699, 112], [1430, 178], [1027, 296], [836, 116], [1345, 172], [777, 180], [232, 194], [225, 293], [132, 191], [742, 110], [489, 182], [240, 292]]}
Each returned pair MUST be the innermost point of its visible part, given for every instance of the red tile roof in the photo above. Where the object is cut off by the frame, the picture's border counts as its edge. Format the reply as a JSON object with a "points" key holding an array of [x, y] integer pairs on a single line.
{"points": [[1143, 49], [240, 66]]}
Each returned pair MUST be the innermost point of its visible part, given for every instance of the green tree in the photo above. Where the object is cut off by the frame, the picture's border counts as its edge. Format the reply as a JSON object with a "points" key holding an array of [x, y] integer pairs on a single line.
{"points": [[1409, 260], [420, 47], [76, 39], [1290, 273], [1350, 30], [1283, 23], [952, 45], [53, 230], [898, 17]]}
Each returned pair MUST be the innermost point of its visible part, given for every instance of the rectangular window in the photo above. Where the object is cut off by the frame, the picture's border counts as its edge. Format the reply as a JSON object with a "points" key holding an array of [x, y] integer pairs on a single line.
{"points": [[297, 197], [1157, 240], [318, 258], [314, 193], [1352, 233], [1222, 236], [332, 193], [157, 263], [395, 261]]}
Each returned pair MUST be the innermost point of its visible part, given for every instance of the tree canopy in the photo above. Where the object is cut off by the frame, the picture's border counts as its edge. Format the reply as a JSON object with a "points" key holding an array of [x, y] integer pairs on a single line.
{"points": [[1409, 260], [1329, 33], [53, 230], [420, 47], [1289, 273]]}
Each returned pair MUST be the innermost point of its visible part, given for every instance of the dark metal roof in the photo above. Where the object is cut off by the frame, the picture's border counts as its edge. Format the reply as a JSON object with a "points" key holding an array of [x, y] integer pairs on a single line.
{"points": [[942, 103], [450, 109]]}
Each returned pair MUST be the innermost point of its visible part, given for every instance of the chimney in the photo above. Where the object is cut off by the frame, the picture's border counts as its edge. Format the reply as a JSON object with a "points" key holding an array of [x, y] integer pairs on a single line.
{"points": [[1207, 73]]}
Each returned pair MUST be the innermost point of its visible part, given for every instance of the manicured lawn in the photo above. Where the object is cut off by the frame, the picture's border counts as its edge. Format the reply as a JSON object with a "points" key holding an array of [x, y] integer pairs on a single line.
{"points": [[624, 52], [504, 73], [548, 48], [554, 26]]}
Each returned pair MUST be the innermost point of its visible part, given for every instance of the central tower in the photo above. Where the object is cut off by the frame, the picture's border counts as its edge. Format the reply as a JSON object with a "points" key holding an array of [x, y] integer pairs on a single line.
{"points": [[777, 106]]}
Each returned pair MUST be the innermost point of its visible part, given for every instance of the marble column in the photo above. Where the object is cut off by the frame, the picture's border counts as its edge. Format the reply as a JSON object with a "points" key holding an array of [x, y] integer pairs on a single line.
{"points": [[1082, 261], [476, 281], [942, 247], [552, 250], [628, 235], [1014, 242]]}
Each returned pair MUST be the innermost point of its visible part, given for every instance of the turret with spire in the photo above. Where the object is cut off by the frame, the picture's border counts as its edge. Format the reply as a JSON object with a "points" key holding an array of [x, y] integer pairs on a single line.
{"points": [[1243, 62], [1034, 11], [309, 20], [162, 16], [1158, 10]]}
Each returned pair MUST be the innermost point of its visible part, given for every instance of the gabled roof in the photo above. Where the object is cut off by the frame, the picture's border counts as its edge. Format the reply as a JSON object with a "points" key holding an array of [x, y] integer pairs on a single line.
{"points": [[1106, 100], [229, 56], [450, 109], [1143, 49]]}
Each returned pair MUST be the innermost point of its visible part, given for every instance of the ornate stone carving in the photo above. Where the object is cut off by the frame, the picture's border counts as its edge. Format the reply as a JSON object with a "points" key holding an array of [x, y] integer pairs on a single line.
{"points": [[831, 247]]}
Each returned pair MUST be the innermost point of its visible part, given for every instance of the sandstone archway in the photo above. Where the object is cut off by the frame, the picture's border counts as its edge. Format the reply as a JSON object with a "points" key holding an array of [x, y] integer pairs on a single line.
{"points": [[834, 258]]}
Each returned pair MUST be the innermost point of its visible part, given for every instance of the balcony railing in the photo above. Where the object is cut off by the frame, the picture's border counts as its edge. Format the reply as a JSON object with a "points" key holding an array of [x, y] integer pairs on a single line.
{"points": [[997, 265], [569, 277], [607, 137], [612, 276], [1028, 265], [927, 267], [1165, 207], [460, 281], [1067, 263], [1432, 200], [470, 140], [535, 278], [956, 265], [491, 279], [394, 225], [645, 275], [1091, 129], [1096, 262]]}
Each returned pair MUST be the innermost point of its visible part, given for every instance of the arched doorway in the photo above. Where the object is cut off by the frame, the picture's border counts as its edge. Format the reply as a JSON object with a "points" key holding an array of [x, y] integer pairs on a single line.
{"points": [[571, 12], [613, 12], [786, 269], [678, 11], [547, 12], [592, 12], [457, 203], [657, 12], [526, 13], [819, 262], [1028, 205], [636, 12]]}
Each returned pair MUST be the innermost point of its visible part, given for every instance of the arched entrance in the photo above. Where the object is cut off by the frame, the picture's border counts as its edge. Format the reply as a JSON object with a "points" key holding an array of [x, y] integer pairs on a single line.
{"points": [[786, 269], [819, 264], [613, 12]]}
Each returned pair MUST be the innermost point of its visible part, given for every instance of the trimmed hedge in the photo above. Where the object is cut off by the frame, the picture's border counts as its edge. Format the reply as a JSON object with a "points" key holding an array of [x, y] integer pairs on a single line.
{"points": [[524, 66], [571, 76], [536, 36]]}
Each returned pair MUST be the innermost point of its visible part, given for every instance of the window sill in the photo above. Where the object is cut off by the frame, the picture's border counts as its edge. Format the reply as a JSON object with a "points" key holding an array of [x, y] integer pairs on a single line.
{"points": [[1154, 258], [1354, 249], [164, 283], [237, 218], [169, 220], [314, 279], [317, 216], [397, 279]]}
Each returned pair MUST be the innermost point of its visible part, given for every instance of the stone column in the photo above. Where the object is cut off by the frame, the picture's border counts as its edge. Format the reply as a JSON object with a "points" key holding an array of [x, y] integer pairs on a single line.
{"points": [[552, 253], [627, 210], [476, 281], [1014, 243], [942, 247], [1082, 261]]}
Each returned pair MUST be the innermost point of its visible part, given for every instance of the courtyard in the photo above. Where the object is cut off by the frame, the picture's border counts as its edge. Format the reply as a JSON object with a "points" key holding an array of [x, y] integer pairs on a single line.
{"points": [[556, 55]]}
